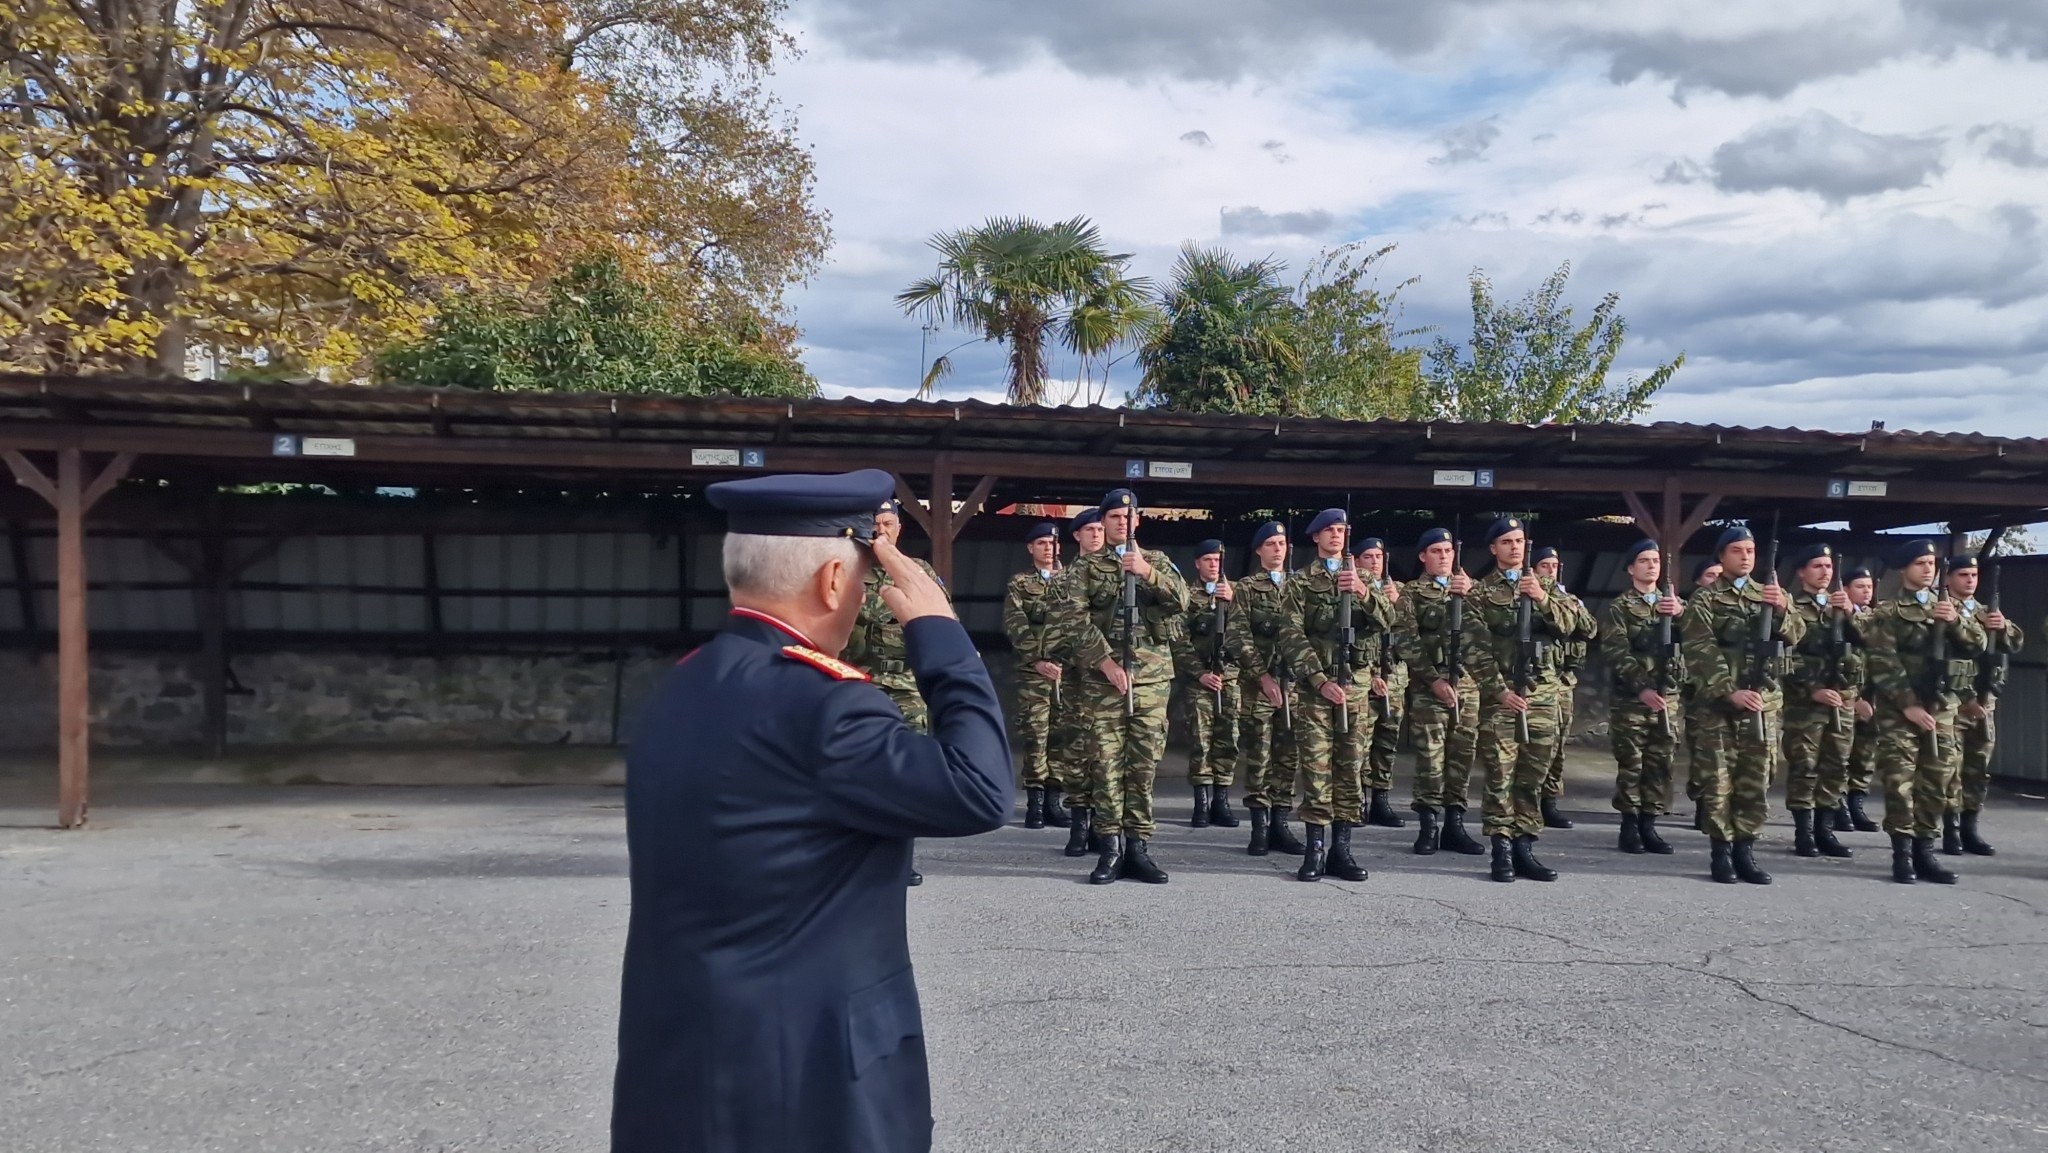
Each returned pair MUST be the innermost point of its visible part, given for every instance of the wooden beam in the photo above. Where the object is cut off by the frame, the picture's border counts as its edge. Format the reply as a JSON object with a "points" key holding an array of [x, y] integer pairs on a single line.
{"points": [[108, 477], [31, 477], [908, 499], [940, 528], [1641, 512], [73, 699], [972, 508]]}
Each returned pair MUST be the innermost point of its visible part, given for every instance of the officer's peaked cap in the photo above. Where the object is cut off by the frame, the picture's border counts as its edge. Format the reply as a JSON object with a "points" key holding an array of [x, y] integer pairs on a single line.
{"points": [[839, 505]]}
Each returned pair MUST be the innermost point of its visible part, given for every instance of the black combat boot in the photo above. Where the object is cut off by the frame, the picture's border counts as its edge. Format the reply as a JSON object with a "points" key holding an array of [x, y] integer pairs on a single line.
{"points": [[916, 879], [1631, 834], [1699, 814], [1902, 859], [1503, 860], [1552, 819], [1653, 842], [1724, 864], [1824, 836], [1260, 829], [1745, 863], [1857, 817], [1972, 843], [1802, 834], [1220, 814], [1425, 837], [1079, 832], [1951, 835], [1382, 812], [1925, 866], [1200, 820], [1057, 814], [1842, 824], [1279, 836], [1138, 864], [1525, 862], [1110, 865], [1339, 862], [1034, 808], [1454, 838], [1312, 854]]}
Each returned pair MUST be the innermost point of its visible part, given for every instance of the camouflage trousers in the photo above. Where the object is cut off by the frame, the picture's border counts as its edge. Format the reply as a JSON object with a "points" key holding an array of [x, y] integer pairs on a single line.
{"points": [[1817, 744], [1734, 764], [1378, 771], [1212, 732], [1862, 757], [1031, 727], [1070, 758], [1128, 751], [1642, 757], [1445, 744], [1515, 769], [911, 705], [1266, 749], [1567, 716], [1919, 772], [1330, 760], [1980, 737], [1683, 753]]}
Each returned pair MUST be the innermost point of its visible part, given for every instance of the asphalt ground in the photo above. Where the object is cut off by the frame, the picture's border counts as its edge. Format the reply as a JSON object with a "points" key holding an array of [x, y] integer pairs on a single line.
{"points": [[345, 968]]}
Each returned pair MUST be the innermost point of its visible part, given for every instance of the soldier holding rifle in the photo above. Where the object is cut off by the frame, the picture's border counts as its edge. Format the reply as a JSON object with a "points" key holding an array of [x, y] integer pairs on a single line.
{"points": [[1976, 718], [1209, 671], [1027, 615], [1266, 739], [1639, 642], [1389, 691], [1443, 698], [1822, 684]]}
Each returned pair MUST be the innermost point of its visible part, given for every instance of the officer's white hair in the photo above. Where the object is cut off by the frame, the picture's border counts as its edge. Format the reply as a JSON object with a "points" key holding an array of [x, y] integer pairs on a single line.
{"points": [[778, 567]]}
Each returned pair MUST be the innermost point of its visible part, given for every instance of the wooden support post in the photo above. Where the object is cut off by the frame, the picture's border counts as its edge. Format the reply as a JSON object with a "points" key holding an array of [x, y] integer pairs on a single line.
{"points": [[940, 519], [71, 496]]}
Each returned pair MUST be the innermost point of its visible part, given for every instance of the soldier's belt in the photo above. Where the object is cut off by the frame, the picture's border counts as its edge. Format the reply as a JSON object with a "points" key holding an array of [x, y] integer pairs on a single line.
{"points": [[887, 668]]}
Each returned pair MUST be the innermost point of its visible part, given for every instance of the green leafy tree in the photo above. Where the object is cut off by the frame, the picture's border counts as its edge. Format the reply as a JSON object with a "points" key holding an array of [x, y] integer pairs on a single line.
{"points": [[1352, 367], [1528, 362], [595, 329], [1033, 287], [1229, 340]]}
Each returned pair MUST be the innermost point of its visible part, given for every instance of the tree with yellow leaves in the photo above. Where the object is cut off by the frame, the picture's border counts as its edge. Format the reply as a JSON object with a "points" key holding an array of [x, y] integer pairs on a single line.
{"points": [[300, 180]]}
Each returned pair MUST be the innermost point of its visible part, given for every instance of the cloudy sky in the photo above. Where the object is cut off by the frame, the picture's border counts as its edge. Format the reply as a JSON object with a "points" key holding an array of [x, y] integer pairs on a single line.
{"points": [[1834, 208]]}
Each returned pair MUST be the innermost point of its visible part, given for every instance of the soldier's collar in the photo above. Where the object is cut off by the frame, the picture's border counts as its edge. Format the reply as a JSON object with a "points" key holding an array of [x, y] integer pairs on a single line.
{"points": [[1278, 576], [773, 622], [1442, 582], [1921, 596], [1331, 563], [1210, 587], [1511, 575], [1740, 582]]}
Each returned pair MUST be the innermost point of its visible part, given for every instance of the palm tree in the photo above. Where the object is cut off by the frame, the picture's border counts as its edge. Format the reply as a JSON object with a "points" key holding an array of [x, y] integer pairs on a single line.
{"points": [[1031, 286], [1231, 337]]}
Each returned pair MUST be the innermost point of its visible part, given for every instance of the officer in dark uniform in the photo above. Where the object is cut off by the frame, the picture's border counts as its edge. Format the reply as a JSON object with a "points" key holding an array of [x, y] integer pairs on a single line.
{"points": [[771, 797]]}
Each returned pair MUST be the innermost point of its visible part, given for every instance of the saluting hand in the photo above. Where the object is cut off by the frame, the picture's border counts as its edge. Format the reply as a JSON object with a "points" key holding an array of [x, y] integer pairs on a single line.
{"points": [[910, 593]]}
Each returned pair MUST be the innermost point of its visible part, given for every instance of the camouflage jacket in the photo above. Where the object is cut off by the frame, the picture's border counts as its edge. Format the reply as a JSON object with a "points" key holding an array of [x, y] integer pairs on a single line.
{"points": [[1490, 639], [1260, 609], [1309, 639], [1027, 615], [1900, 636], [1808, 666], [1572, 650], [1628, 643], [876, 644], [1422, 631], [1991, 670], [1194, 642], [1720, 626], [1088, 615]]}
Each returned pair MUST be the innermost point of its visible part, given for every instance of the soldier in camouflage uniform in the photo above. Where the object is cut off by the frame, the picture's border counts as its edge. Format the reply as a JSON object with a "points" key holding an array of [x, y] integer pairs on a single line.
{"points": [[1571, 657], [1849, 815], [1389, 692], [1704, 574], [1736, 745], [1123, 694], [1443, 717], [1516, 689], [1644, 676], [1027, 611], [1213, 683], [1266, 746], [1072, 755], [1918, 755], [1333, 715], [1977, 718], [1822, 684]]}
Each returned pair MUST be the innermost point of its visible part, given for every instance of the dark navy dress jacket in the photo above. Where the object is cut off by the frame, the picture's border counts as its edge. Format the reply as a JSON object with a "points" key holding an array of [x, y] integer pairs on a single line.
{"points": [[768, 1002]]}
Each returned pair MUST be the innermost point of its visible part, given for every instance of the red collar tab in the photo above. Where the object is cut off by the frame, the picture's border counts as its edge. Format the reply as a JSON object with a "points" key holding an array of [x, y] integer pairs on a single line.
{"points": [[774, 622]]}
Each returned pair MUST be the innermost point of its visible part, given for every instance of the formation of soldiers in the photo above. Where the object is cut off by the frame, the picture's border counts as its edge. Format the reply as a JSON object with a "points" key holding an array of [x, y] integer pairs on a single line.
{"points": [[1302, 680]]}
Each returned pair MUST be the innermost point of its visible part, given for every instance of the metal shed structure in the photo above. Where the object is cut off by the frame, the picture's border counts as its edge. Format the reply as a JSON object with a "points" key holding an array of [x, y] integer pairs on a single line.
{"points": [[155, 455]]}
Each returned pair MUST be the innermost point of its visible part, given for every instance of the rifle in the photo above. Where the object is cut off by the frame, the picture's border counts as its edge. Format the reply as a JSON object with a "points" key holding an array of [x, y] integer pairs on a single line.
{"points": [[1935, 678], [1347, 642], [1286, 674], [1057, 568], [1764, 648], [1130, 614], [1992, 667], [1838, 643], [1216, 654], [1454, 617], [1387, 673], [1668, 653], [1528, 650]]}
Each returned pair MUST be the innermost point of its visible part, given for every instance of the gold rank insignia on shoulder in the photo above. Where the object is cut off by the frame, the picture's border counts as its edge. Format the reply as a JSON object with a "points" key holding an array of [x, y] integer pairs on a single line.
{"points": [[832, 666]]}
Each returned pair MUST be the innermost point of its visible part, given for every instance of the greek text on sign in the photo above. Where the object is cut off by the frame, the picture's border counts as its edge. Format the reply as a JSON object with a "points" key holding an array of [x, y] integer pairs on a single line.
{"points": [[1172, 469], [715, 457], [327, 446], [1456, 478], [1867, 488]]}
